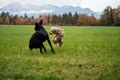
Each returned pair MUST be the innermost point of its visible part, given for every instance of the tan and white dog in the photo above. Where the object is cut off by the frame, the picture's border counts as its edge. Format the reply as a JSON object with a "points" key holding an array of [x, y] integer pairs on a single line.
{"points": [[59, 35]]}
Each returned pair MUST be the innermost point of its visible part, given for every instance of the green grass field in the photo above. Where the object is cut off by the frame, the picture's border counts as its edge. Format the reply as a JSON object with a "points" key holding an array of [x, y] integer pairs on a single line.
{"points": [[88, 53]]}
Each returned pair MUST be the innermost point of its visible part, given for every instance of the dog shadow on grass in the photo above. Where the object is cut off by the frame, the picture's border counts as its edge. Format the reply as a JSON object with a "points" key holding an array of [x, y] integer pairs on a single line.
{"points": [[36, 52]]}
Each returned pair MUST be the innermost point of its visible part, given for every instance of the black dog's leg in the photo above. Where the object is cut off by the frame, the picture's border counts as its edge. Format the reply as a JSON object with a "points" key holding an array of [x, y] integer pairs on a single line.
{"points": [[40, 49], [50, 45], [44, 48]]}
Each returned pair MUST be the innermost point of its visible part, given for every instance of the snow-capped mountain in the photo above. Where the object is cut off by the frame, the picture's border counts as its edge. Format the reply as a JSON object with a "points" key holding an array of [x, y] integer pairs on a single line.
{"points": [[36, 10]]}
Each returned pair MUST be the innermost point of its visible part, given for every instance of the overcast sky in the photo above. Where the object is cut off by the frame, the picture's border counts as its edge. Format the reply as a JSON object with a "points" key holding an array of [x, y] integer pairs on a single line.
{"points": [[95, 5]]}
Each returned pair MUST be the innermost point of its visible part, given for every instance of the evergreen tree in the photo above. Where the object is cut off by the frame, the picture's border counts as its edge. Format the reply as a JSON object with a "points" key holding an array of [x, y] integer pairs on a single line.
{"points": [[25, 15], [70, 19], [107, 16], [75, 18]]}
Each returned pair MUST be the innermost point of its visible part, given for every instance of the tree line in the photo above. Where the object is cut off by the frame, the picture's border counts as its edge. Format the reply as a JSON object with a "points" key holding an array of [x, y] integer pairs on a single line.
{"points": [[109, 17]]}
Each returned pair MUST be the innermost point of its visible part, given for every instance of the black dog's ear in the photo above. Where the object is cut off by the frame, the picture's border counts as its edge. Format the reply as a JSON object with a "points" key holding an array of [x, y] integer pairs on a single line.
{"points": [[41, 22]]}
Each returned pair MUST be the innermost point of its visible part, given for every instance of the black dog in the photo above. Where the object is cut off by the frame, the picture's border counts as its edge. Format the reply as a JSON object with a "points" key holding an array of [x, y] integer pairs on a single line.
{"points": [[40, 36]]}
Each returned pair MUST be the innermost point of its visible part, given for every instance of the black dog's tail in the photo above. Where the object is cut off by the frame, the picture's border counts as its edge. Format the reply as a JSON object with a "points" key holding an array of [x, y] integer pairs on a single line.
{"points": [[50, 45]]}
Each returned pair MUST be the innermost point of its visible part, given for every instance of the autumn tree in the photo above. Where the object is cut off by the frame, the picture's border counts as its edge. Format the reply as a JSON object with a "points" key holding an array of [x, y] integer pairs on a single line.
{"points": [[82, 20]]}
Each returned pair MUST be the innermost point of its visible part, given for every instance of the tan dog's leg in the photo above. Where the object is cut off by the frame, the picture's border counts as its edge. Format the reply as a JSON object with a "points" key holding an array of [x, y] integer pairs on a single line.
{"points": [[60, 43]]}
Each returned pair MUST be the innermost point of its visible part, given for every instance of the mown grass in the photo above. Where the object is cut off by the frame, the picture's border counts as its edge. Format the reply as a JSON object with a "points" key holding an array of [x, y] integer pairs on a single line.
{"points": [[87, 53]]}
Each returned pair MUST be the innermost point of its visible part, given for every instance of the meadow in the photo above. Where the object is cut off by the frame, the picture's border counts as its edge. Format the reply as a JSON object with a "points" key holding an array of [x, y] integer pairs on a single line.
{"points": [[88, 53]]}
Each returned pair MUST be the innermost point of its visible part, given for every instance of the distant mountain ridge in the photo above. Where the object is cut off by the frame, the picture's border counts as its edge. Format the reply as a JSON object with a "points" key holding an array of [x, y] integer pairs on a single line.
{"points": [[35, 10]]}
